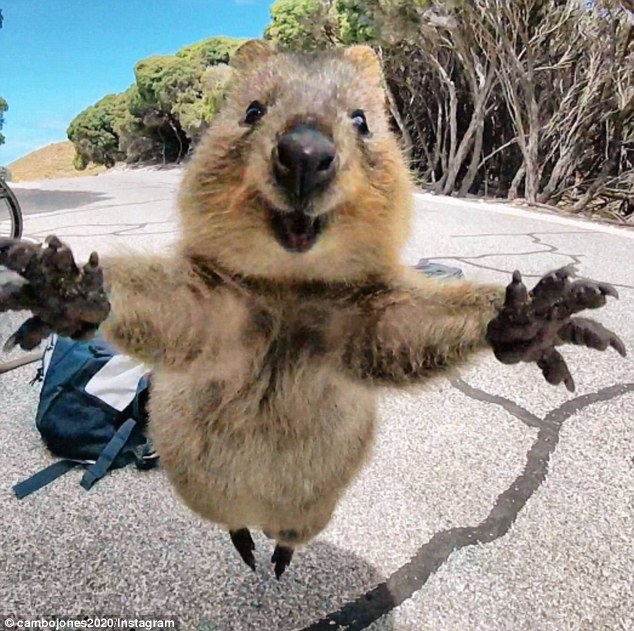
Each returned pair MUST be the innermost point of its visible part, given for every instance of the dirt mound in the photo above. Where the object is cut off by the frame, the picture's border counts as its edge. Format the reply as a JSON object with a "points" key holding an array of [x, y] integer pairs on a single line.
{"points": [[53, 161]]}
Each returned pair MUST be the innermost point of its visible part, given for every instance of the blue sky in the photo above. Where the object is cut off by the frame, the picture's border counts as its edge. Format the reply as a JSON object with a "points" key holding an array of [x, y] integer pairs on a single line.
{"points": [[59, 56]]}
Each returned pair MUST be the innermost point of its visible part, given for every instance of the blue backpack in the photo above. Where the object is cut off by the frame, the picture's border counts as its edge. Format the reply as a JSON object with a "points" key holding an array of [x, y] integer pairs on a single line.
{"points": [[91, 412]]}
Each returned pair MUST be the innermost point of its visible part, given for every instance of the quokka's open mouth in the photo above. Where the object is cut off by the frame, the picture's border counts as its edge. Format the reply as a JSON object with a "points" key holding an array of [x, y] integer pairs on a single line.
{"points": [[296, 231]]}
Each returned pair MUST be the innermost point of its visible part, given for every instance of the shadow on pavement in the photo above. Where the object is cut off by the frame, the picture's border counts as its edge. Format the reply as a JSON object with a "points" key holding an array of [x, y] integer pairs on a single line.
{"points": [[41, 200], [324, 588]]}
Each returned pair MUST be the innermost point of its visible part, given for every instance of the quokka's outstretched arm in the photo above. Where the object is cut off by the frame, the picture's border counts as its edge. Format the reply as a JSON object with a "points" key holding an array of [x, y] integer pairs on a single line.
{"points": [[147, 306], [416, 329], [422, 327], [155, 311]]}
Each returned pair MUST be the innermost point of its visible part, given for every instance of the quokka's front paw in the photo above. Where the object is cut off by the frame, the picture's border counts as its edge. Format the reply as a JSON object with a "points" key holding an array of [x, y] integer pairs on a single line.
{"points": [[62, 297], [531, 324]]}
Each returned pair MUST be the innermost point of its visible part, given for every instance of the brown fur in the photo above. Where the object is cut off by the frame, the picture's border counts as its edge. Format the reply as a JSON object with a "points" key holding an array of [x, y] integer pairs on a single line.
{"points": [[266, 361]]}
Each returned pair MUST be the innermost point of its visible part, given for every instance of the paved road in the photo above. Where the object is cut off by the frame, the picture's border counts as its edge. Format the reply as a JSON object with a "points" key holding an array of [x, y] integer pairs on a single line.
{"points": [[492, 502]]}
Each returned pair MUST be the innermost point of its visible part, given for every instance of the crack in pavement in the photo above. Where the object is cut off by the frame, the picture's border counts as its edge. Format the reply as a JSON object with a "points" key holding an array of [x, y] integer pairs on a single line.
{"points": [[521, 234], [533, 236], [119, 232], [93, 208], [550, 249], [484, 256], [528, 418], [408, 579]]}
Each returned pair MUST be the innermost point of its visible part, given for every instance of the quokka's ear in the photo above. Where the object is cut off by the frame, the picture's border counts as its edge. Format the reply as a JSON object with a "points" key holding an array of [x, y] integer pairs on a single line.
{"points": [[367, 62], [250, 54]]}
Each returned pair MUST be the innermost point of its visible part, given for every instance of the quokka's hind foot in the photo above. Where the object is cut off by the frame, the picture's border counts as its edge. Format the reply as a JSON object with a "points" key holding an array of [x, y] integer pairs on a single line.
{"points": [[282, 556], [243, 543]]}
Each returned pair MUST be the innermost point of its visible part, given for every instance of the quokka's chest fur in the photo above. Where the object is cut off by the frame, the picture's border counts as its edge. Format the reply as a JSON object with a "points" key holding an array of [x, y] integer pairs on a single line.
{"points": [[261, 391], [281, 329], [261, 352]]}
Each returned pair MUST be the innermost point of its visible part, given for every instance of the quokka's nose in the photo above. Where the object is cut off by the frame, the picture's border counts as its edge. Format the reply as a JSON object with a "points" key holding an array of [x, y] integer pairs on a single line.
{"points": [[304, 161]]}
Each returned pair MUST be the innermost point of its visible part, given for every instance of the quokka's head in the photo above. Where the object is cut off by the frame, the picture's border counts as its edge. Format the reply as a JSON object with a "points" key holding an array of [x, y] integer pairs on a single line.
{"points": [[299, 176]]}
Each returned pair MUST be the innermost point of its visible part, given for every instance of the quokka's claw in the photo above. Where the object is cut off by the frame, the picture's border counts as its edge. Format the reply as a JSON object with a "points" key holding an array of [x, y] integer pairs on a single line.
{"points": [[282, 556], [587, 294], [608, 290], [567, 271], [617, 344], [557, 277], [17, 255], [516, 294], [11, 343], [243, 543], [92, 274], [57, 258], [555, 369], [586, 332], [29, 335], [14, 297], [93, 260], [551, 287], [53, 242]]}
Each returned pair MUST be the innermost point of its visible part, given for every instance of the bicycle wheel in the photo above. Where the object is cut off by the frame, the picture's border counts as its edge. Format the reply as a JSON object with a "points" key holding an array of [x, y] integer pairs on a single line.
{"points": [[10, 213]]}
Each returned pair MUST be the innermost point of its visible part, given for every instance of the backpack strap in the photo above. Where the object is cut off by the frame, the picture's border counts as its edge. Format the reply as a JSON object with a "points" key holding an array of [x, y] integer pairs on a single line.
{"points": [[96, 471], [145, 457], [43, 477]]}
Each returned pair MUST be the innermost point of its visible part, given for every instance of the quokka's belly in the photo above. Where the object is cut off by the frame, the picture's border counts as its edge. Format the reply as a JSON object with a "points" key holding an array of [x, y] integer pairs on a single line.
{"points": [[260, 465]]}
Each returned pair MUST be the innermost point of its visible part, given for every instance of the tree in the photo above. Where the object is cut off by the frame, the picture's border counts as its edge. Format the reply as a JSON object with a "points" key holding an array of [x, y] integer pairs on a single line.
{"points": [[355, 22], [3, 108], [301, 25], [210, 52], [162, 113], [94, 132]]}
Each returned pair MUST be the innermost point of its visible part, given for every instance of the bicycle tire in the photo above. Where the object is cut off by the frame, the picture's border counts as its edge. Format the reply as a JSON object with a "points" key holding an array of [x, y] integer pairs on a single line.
{"points": [[15, 213]]}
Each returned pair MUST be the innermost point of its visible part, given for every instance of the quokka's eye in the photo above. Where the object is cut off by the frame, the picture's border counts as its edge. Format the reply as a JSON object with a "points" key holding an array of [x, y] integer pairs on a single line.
{"points": [[360, 122], [254, 113]]}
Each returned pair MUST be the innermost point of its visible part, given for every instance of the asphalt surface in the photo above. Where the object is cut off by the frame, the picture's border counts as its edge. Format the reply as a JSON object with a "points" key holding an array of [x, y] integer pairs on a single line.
{"points": [[493, 501]]}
